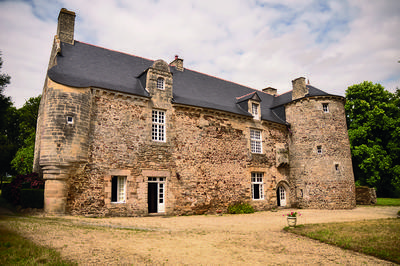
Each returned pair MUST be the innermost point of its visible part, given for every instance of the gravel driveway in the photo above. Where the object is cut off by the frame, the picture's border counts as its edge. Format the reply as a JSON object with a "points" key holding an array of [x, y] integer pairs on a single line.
{"points": [[250, 239]]}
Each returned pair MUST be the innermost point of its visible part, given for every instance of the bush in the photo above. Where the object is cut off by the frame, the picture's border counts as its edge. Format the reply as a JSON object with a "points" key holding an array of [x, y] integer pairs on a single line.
{"points": [[13, 190], [32, 198], [239, 208]]}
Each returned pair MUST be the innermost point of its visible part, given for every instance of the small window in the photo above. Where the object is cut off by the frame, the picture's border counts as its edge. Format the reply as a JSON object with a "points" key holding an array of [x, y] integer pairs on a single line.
{"points": [[118, 189], [319, 149], [158, 126], [325, 108], [70, 120], [257, 187], [255, 141], [160, 83], [255, 111], [337, 167]]}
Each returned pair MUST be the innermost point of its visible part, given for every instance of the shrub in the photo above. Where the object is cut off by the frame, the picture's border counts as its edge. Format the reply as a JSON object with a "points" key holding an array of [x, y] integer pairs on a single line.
{"points": [[32, 198], [239, 208], [13, 190]]}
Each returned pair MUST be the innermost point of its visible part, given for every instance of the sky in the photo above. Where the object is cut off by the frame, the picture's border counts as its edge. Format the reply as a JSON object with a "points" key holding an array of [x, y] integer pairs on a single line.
{"points": [[257, 43]]}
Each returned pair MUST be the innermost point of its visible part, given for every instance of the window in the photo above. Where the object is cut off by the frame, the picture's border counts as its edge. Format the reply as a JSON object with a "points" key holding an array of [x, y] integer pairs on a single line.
{"points": [[160, 83], [257, 188], [325, 108], [319, 149], [70, 120], [254, 110], [255, 141], [337, 167], [158, 126], [118, 189]]}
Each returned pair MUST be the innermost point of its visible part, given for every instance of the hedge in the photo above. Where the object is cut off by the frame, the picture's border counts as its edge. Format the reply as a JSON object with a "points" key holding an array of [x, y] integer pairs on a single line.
{"points": [[32, 198]]}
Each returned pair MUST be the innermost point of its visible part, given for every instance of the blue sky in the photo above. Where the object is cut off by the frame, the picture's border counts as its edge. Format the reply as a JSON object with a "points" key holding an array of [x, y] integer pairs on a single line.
{"points": [[257, 43]]}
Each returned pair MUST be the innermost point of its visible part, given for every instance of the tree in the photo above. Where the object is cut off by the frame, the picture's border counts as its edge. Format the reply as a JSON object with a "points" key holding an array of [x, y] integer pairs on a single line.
{"points": [[27, 119], [7, 146], [373, 119]]}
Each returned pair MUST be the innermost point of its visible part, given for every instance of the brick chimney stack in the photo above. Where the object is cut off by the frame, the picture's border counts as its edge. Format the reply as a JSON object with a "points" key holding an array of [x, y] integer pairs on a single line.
{"points": [[299, 88], [66, 25], [177, 63]]}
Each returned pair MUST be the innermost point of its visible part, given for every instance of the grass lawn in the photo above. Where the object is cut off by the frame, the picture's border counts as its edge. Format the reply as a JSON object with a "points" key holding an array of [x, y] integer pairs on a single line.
{"points": [[388, 202], [16, 250], [379, 238]]}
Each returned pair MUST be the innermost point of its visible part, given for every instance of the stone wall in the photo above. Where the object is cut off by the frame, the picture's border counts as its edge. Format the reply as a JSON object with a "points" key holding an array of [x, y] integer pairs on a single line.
{"points": [[325, 179], [365, 196], [206, 159]]}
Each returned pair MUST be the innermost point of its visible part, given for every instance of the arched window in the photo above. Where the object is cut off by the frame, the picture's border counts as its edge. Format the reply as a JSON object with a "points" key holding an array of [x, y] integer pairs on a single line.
{"points": [[160, 83]]}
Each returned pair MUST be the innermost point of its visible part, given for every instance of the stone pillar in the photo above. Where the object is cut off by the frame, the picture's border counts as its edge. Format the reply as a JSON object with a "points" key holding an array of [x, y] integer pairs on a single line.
{"points": [[55, 193]]}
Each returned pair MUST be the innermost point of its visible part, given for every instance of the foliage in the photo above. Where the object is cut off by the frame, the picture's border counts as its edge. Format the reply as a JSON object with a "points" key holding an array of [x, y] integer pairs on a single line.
{"points": [[387, 202], [12, 192], [22, 163], [32, 198], [240, 208], [6, 146], [23, 160], [373, 119], [292, 214], [16, 250], [378, 238]]}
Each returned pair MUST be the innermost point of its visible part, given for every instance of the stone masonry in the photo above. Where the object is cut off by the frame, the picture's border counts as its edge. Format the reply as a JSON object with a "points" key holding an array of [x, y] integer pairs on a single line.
{"points": [[94, 145]]}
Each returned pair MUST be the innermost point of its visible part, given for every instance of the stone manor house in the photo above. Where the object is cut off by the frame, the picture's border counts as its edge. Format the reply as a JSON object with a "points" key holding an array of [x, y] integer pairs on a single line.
{"points": [[120, 135]]}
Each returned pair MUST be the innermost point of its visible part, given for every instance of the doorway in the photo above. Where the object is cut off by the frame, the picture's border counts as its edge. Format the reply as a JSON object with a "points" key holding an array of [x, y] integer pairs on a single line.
{"points": [[156, 194], [281, 196]]}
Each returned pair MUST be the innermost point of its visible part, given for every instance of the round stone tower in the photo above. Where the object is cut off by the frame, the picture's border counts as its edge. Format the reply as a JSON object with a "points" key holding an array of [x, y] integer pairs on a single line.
{"points": [[321, 172]]}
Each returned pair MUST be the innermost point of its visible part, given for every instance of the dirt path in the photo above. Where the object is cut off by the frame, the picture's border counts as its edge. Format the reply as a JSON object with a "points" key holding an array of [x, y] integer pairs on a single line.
{"points": [[252, 239]]}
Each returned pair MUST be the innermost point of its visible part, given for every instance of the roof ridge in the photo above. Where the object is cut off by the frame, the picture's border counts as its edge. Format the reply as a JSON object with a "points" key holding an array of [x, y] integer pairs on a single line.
{"points": [[114, 50], [255, 90]]}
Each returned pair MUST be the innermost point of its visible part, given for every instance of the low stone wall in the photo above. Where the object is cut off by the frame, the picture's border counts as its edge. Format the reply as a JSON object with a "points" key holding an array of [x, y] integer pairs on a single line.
{"points": [[365, 196]]}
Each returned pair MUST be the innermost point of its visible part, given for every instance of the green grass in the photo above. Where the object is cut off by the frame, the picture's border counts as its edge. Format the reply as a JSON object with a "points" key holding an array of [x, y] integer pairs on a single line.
{"points": [[387, 202], [15, 250], [379, 238]]}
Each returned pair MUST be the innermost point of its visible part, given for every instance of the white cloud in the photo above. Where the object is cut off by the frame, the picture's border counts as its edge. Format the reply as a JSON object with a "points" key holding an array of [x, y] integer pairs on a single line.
{"points": [[256, 43]]}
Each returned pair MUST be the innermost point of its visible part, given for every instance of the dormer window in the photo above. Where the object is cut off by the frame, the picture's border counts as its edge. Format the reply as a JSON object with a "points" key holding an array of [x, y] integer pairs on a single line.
{"points": [[255, 110], [160, 83]]}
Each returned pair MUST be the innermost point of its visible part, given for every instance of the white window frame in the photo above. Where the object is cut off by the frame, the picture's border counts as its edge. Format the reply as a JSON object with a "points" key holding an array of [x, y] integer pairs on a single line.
{"points": [[325, 107], [121, 189], [255, 141], [257, 182], [161, 186], [160, 83], [158, 126], [70, 120], [255, 108]]}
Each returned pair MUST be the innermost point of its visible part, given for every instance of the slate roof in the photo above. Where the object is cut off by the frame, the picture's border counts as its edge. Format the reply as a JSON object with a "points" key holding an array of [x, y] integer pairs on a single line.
{"points": [[85, 65]]}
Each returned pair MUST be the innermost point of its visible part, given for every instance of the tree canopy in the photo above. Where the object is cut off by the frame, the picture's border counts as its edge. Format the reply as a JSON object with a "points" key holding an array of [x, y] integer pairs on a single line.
{"points": [[373, 119], [17, 132]]}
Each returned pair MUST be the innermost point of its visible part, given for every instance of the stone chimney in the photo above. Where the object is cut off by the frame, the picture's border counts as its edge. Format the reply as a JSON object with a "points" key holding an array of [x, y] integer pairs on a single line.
{"points": [[270, 90], [299, 88], [66, 25], [177, 63]]}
